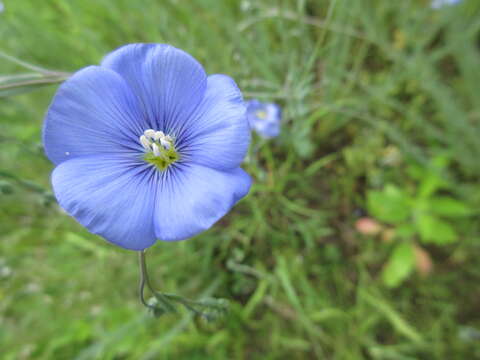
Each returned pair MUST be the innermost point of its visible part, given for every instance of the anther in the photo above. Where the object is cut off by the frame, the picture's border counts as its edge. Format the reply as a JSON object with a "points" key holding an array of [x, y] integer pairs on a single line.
{"points": [[159, 135], [145, 142], [150, 133]]}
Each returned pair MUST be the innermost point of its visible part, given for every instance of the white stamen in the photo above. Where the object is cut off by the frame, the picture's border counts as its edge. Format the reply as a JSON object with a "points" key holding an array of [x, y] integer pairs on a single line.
{"points": [[145, 142], [156, 150], [159, 135], [150, 133], [67, 153], [157, 142], [166, 144]]}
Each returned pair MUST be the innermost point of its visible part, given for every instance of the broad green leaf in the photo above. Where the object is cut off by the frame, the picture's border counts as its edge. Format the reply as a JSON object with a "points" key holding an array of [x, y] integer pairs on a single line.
{"points": [[447, 206], [430, 184], [400, 265], [431, 181], [435, 230], [391, 205]]}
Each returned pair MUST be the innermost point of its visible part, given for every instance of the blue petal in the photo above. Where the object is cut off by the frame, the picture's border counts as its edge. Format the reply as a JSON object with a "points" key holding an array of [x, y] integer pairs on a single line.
{"points": [[193, 197], [218, 134], [169, 82], [268, 125], [110, 196], [253, 105], [93, 112]]}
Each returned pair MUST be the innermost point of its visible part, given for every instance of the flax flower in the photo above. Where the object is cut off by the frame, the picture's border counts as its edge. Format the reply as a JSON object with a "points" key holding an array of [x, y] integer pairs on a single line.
{"points": [[147, 146]]}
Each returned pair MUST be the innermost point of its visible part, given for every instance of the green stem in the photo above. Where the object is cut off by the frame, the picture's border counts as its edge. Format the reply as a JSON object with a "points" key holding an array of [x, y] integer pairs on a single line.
{"points": [[185, 303], [141, 287], [165, 300], [145, 280], [42, 81]]}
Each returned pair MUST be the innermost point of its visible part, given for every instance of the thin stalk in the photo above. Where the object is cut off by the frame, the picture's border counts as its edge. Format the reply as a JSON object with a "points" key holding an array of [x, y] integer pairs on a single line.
{"points": [[145, 280], [42, 81], [141, 287], [166, 299]]}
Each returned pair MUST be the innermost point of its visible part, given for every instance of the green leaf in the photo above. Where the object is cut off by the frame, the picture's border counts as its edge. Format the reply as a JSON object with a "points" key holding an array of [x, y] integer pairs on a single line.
{"points": [[430, 184], [391, 205], [447, 206], [400, 265], [434, 230], [432, 180]]}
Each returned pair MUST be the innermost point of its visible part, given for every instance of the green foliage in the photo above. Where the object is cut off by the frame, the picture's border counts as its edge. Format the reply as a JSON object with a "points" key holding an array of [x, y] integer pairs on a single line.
{"points": [[432, 229], [400, 264], [381, 110], [391, 205], [418, 212], [426, 214], [20, 83]]}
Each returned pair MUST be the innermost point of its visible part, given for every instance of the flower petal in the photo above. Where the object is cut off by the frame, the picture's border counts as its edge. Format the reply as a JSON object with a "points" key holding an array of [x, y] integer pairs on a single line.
{"points": [[93, 112], [267, 125], [193, 197], [110, 196], [169, 82], [218, 134]]}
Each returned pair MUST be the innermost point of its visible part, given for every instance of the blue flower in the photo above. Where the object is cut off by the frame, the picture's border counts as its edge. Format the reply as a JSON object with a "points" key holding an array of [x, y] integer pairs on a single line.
{"points": [[437, 4], [147, 146], [264, 118]]}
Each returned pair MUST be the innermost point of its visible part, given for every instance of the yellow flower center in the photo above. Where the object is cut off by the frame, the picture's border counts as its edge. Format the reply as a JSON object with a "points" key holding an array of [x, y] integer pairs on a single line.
{"points": [[160, 149], [261, 114]]}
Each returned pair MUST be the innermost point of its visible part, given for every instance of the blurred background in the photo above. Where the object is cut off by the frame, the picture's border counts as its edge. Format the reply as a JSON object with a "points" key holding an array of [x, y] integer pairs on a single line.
{"points": [[359, 238]]}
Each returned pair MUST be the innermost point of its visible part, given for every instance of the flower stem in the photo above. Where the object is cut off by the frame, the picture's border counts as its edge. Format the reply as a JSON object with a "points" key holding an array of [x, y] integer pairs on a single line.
{"points": [[145, 280], [207, 308]]}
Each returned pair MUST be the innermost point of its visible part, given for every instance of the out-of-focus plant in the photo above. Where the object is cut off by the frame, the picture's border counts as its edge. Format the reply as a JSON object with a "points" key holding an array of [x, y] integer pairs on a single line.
{"points": [[437, 4], [425, 213], [264, 118], [14, 84]]}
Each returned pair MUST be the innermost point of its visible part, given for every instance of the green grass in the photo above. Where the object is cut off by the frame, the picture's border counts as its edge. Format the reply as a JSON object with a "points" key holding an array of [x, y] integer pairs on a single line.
{"points": [[356, 79]]}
